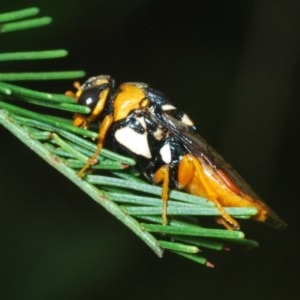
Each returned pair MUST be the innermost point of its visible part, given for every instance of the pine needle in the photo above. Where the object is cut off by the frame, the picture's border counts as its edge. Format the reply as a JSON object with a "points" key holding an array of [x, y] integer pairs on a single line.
{"points": [[115, 184]]}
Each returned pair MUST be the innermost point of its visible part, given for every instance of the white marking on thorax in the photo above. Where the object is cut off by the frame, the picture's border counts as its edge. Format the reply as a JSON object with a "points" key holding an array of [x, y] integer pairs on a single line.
{"points": [[165, 153], [168, 107], [186, 120], [133, 141], [142, 121], [158, 134]]}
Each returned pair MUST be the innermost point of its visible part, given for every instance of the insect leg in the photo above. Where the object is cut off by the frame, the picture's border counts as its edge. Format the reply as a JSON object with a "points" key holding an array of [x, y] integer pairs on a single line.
{"points": [[163, 175], [104, 127], [192, 177]]}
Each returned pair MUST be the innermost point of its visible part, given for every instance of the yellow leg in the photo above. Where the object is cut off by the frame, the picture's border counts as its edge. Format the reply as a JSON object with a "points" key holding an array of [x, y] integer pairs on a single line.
{"points": [[163, 175], [202, 186], [105, 125]]}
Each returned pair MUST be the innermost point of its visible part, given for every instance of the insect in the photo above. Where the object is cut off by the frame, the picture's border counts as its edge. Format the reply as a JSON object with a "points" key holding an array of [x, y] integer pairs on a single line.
{"points": [[142, 123]]}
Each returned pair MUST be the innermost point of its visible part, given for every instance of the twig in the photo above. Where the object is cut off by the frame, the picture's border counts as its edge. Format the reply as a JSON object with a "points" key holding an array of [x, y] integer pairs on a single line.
{"points": [[115, 184]]}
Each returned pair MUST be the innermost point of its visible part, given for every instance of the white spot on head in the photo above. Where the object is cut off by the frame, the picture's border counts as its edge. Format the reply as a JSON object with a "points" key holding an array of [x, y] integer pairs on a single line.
{"points": [[168, 107], [165, 153], [133, 141], [88, 101], [186, 120]]}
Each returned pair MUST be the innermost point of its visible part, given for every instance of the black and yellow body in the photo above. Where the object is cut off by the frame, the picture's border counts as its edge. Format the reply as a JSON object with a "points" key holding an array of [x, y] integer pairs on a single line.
{"points": [[142, 123]]}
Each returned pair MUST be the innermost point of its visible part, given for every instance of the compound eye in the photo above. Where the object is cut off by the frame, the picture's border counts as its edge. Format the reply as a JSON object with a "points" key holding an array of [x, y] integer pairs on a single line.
{"points": [[89, 97]]}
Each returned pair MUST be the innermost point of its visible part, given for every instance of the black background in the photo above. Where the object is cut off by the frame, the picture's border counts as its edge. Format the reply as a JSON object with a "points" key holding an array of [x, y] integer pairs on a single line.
{"points": [[233, 66]]}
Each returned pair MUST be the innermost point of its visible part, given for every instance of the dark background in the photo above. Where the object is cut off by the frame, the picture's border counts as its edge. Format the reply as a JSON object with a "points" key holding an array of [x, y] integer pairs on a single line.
{"points": [[233, 66]]}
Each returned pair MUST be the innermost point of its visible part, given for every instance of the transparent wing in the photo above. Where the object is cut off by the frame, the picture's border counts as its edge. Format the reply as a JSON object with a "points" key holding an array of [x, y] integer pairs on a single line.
{"points": [[197, 145]]}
